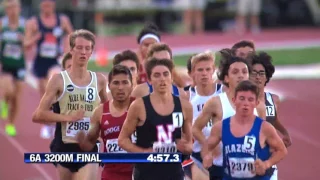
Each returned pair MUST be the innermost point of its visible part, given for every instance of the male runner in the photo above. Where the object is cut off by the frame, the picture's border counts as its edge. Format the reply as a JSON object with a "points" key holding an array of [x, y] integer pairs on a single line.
{"points": [[262, 71], [77, 92], [253, 135], [46, 31], [107, 120], [12, 27], [148, 35], [160, 120], [243, 48], [159, 51], [232, 70], [129, 59]]}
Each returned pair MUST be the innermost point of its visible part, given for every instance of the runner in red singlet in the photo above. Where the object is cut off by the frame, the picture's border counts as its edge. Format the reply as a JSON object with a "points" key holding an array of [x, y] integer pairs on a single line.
{"points": [[148, 35], [107, 120]]}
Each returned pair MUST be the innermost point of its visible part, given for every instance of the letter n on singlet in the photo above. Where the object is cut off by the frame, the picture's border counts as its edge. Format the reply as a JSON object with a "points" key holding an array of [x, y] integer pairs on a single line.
{"points": [[163, 135]]}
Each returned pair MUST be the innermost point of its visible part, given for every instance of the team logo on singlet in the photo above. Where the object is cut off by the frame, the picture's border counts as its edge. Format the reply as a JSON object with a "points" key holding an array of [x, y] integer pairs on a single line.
{"points": [[70, 88]]}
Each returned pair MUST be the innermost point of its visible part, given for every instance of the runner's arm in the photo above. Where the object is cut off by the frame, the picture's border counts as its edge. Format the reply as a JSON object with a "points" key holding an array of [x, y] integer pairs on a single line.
{"points": [[102, 80], [183, 94], [277, 124], [261, 110], [186, 127], [203, 119], [67, 27], [43, 114], [30, 38], [177, 79], [88, 141], [129, 127], [213, 140], [275, 143], [140, 91]]}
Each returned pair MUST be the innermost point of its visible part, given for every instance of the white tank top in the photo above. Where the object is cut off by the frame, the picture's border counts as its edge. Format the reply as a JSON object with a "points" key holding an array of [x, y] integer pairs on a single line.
{"points": [[198, 102], [227, 111]]}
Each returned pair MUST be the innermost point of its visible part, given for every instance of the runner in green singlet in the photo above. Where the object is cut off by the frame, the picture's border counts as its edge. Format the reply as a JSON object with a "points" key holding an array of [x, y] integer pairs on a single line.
{"points": [[12, 60]]}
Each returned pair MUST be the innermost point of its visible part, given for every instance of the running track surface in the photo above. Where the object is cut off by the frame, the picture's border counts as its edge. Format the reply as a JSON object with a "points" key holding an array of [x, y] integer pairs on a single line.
{"points": [[298, 113]]}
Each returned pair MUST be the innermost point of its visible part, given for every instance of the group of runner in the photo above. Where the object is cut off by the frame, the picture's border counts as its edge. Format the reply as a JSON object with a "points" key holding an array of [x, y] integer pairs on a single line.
{"points": [[225, 128], [46, 33]]}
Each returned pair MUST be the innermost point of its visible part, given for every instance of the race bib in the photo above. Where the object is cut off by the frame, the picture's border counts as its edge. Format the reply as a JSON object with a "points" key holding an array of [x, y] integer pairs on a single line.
{"points": [[242, 167], [13, 51], [134, 137], [270, 111], [49, 50], [90, 94], [160, 147], [113, 147], [72, 128]]}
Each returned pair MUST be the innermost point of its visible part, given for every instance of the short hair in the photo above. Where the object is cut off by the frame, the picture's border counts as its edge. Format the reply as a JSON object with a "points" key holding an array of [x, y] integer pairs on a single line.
{"points": [[119, 69], [65, 58], [158, 47], [6, 2], [228, 58], [153, 62], [124, 56], [243, 43], [149, 28], [189, 66], [266, 61], [205, 56], [88, 35], [247, 85]]}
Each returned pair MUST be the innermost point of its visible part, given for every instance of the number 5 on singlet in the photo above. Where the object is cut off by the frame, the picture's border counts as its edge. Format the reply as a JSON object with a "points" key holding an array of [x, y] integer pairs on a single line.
{"points": [[90, 94]]}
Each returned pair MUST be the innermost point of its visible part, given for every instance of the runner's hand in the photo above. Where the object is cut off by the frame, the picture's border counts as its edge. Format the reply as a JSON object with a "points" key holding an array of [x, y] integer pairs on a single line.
{"points": [[261, 167], [183, 145], [207, 161], [80, 136], [76, 116], [287, 140]]}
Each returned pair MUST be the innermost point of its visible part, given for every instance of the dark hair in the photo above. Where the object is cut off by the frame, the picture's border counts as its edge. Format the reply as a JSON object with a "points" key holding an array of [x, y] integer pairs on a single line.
{"points": [[149, 28], [152, 63], [189, 64], [266, 61], [65, 58], [228, 58], [124, 56], [243, 43], [81, 33], [158, 47], [247, 85], [119, 69]]}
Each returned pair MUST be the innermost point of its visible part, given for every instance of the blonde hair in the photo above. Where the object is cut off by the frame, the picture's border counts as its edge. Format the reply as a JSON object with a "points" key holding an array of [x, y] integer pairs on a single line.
{"points": [[5, 3], [205, 56]]}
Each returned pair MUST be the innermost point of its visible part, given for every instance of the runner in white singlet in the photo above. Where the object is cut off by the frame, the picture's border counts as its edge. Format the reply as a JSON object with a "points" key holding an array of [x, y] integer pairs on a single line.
{"points": [[232, 71]]}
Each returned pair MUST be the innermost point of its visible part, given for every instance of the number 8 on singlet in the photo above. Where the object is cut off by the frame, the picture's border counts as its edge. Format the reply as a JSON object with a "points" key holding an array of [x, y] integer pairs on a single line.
{"points": [[90, 94]]}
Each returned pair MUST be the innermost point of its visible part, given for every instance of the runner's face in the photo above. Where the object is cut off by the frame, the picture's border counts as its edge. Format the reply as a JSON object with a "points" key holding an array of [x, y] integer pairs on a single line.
{"points": [[161, 79], [162, 55], [145, 45], [238, 72], [133, 68], [12, 9], [245, 102], [258, 75], [47, 6], [243, 52], [120, 87], [82, 50], [203, 72]]}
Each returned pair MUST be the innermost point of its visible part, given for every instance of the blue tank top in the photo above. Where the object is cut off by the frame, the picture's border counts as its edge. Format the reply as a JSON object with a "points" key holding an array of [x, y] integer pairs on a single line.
{"points": [[239, 153], [49, 45], [175, 90]]}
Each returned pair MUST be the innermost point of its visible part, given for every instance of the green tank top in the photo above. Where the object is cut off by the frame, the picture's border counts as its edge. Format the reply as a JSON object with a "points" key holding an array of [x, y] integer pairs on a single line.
{"points": [[11, 54]]}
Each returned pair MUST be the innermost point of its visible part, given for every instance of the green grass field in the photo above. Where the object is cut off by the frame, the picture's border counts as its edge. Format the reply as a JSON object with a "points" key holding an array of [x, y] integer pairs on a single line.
{"points": [[280, 57]]}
